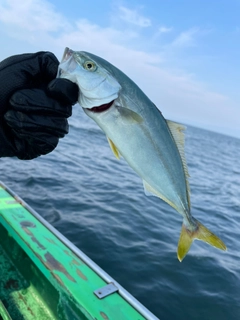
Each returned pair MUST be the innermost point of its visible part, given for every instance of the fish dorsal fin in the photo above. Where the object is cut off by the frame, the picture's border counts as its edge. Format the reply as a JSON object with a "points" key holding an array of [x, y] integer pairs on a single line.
{"points": [[150, 191], [177, 131], [114, 148]]}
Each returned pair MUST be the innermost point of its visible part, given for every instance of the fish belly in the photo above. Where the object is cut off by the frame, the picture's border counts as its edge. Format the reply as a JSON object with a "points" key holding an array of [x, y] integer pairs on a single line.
{"points": [[150, 151]]}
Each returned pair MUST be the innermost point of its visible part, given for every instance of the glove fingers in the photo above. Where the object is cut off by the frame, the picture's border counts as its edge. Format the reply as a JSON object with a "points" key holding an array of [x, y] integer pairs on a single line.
{"points": [[36, 101], [28, 147], [26, 70], [63, 90], [32, 66], [34, 105], [31, 124]]}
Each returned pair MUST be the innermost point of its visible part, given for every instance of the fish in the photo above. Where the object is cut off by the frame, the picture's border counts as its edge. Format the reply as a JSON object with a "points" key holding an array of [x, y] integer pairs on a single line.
{"points": [[137, 131]]}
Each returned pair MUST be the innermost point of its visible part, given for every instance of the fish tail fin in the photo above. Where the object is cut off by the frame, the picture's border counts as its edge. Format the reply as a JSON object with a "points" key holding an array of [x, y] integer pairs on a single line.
{"points": [[200, 232]]}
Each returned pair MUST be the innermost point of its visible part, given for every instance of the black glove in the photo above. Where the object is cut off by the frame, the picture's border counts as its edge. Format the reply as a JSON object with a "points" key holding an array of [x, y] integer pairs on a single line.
{"points": [[34, 106]]}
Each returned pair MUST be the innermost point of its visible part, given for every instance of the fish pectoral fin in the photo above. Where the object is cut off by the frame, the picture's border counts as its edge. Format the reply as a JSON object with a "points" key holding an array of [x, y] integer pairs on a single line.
{"points": [[200, 233], [114, 148], [129, 115]]}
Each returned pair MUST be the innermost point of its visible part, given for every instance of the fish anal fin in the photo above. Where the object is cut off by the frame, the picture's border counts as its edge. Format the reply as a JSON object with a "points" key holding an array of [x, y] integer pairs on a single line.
{"points": [[114, 148], [177, 131], [150, 191], [200, 233]]}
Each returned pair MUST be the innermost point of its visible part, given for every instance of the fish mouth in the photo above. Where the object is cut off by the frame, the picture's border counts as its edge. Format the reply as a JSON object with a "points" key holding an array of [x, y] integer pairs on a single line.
{"points": [[101, 108], [67, 54]]}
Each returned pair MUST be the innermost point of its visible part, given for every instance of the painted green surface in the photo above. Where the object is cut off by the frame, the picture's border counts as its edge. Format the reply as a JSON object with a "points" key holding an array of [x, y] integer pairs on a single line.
{"points": [[51, 278], [3, 312]]}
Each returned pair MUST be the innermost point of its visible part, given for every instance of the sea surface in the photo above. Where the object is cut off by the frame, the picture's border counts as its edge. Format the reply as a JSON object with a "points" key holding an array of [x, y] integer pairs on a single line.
{"points": [[99, 204]]}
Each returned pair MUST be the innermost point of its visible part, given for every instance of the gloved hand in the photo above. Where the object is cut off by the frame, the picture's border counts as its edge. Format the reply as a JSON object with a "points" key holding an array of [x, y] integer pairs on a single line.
{"points": [[34, 106]]}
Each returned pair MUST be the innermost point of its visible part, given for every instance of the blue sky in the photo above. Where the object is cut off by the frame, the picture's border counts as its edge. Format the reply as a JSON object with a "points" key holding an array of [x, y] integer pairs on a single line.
{"points": [[183, 54]]}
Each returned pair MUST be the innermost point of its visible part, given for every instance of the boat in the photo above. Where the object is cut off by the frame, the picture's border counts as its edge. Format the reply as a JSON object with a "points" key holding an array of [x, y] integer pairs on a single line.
{"points": [[45, 276]]}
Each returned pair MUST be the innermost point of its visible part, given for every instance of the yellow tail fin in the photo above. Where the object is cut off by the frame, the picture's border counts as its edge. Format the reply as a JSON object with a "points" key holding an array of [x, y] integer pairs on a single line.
{"points": [[200, 233]]}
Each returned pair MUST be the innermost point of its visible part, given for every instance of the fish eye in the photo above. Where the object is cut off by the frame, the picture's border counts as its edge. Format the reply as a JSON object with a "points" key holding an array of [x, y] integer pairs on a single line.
{"points": [[90, 66]]}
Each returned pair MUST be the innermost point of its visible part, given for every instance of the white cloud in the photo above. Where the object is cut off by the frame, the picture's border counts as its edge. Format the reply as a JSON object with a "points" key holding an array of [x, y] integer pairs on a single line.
{"points": [[179, 95], [165, 29], [37, 15], [186, 38], [133, 17]]}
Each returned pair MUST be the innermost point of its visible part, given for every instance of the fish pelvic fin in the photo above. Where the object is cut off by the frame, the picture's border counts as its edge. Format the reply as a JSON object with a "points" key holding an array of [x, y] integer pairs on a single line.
{"points": [[200, 233], [114, 148]]}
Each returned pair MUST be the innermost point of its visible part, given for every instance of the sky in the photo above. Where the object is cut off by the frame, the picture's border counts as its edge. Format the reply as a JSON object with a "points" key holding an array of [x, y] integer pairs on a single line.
{"points": [[185, 55]]}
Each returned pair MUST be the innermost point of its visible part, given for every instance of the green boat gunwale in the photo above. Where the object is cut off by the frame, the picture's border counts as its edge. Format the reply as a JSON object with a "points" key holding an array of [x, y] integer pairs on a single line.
{"points": [[144, 312]]}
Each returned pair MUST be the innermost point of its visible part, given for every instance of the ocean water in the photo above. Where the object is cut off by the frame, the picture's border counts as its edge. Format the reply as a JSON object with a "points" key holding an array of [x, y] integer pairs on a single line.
{"points": [[99, 204]]}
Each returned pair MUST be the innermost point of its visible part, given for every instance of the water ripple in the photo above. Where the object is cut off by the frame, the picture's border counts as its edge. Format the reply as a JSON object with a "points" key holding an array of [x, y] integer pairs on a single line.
{"points": [[99, 204]]}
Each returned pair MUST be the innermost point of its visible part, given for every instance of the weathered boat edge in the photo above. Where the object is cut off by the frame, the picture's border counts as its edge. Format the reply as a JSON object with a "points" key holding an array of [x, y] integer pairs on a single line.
{"points": [[114, 285]]}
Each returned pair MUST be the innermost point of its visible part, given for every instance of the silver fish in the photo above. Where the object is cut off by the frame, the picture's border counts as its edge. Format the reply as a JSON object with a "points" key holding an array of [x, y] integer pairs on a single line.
{"points": [[137, 131]]}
